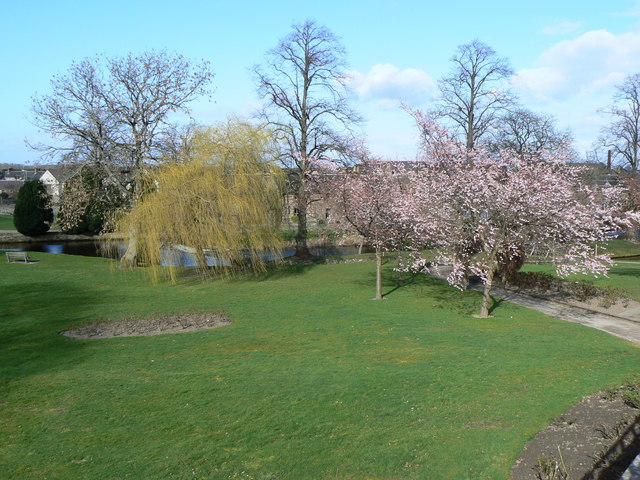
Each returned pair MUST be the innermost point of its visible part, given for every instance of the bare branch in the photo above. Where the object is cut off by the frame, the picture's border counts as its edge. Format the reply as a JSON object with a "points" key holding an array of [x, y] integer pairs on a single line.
{"points": [[303, 86], [113, 113], [622, 135], [527, 133], [470, 96]]}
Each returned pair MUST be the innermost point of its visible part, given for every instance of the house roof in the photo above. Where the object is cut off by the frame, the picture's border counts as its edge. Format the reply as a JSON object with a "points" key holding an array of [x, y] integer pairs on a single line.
{"points": [[10, 184], [62, 173]]}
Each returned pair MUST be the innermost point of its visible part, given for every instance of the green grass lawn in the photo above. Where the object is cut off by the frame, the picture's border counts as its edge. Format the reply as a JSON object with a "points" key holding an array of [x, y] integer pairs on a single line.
{"points": [[622, 247], [313, 380], [624, 275], [6, 222]]}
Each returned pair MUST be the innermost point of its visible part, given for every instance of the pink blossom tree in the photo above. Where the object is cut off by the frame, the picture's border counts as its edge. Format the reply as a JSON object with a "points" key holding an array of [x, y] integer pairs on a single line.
{"points": [[371, 200], [482, 210]]}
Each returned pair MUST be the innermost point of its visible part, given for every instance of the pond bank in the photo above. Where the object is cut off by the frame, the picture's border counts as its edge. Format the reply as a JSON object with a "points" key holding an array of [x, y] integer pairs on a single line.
{"points": [[92, 246], [12, 236]]}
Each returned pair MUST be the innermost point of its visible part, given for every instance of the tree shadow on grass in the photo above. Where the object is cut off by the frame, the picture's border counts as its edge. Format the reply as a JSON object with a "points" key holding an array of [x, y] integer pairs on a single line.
{"points": [[442, 295], [437, 290], [33, 315], [394, 281], [495, 303], [401, 281], [277, 271], [271, 272]]}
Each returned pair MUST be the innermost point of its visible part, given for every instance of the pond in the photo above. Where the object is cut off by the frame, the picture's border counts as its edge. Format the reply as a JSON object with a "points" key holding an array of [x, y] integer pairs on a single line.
{"points": [[84, 248], [178, 257]]}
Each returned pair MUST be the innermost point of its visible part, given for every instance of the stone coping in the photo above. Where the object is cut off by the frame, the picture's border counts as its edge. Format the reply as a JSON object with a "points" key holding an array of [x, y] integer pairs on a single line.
{"points": [[11, 236]]}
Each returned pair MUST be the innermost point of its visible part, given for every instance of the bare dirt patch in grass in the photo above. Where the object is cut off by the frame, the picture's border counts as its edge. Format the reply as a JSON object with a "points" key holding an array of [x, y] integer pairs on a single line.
{"points": [[595, 439], [135, 327]]}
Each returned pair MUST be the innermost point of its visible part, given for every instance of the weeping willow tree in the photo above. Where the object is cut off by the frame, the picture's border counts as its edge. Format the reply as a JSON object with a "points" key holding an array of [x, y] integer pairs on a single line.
{"points": [[222, 203]]}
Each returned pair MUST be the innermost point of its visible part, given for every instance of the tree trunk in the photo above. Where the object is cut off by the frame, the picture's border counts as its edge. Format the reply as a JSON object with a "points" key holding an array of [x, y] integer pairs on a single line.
{"points": [[471, 113], [130, 257], [470, 139], [378, 274], [486, 297], [302, 250]]}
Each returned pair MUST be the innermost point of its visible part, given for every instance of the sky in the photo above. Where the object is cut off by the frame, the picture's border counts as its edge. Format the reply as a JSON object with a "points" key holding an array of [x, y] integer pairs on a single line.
{"points": [[568, 55]]}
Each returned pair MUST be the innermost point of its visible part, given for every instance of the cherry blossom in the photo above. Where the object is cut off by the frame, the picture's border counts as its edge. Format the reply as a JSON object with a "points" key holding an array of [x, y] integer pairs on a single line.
{"points": [[483, 210], [372, 200]]}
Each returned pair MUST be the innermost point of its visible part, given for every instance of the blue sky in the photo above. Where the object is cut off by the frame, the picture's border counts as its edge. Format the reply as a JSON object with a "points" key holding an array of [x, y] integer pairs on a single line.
{"points": [[568, 54]]}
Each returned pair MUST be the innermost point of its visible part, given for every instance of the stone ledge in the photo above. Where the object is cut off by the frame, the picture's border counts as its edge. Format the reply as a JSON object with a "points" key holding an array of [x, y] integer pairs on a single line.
{"points": [[11, 236]]}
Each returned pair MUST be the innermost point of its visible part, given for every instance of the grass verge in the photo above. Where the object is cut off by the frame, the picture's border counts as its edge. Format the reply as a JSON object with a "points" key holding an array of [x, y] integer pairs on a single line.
{"points": [[623, 276], [621, 247], [312, 380], [6, 222]]}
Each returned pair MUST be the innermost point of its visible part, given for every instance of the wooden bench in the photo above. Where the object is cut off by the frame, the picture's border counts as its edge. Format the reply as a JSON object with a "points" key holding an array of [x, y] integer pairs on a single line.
{"points": [[18, 257]]}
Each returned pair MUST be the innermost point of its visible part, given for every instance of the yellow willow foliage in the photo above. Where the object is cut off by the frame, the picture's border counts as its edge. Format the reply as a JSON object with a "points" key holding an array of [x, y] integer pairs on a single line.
{"points": [[224, 201]]}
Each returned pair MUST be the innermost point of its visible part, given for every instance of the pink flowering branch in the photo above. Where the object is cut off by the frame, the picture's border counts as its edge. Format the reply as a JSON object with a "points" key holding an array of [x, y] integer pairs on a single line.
{"points": [[482, 210]]}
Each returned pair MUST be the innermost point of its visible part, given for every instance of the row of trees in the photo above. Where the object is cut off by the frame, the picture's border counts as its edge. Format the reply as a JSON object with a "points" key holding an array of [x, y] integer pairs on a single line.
{"points": [[481, 212], [116, 116]]}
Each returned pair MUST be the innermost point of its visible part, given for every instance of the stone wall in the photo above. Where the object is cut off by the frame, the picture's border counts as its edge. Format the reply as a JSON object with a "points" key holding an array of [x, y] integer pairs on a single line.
{"points": [[6, 209]]}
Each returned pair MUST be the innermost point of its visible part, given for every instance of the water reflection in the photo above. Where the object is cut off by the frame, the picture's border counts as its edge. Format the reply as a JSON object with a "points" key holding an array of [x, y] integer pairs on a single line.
{"points": [[49, 248], [182, 257], [84, 248]]}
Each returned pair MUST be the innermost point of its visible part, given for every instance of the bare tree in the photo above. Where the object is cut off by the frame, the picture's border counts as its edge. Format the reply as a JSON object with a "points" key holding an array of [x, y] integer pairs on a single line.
{"points": [[527, 133], [112, 112], [622, 135], [303, 86], [176, 143], [471, 97]]}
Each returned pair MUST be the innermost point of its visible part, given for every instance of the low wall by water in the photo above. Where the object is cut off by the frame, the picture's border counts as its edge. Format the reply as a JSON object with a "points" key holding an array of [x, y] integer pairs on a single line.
{"points": [[84, 245], [7, 237]]}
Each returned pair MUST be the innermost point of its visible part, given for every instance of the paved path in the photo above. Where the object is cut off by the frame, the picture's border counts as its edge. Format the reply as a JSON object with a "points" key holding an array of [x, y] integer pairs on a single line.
{"points": [[613, 324], [618, 325]]}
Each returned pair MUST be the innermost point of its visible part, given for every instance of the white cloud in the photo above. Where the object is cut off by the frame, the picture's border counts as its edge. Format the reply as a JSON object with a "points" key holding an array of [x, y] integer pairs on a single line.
{"points": [[539, 82], [575, 78], [563, 27], [632, 11], [388, 86], [589, 64]]}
